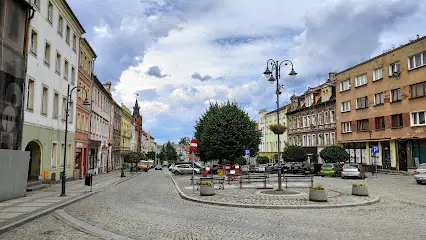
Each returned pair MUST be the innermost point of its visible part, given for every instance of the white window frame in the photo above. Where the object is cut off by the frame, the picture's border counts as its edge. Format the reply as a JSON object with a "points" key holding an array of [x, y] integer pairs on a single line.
{"points": [[415, 118], [44, 104], [361, 80], [314, 142], [55, 110], [394, 67], [308, 140], [30, 94], [343, 104], [304, 121], [49, 56], [326, 139], [34, 42], [320, 118], [345, 85], [382, 98], [377, 74], [308, 121], [399, 95], [361, 100], [332, 116], [412, 64], [50, 12], [66, 69], [54, 155], [332, 138], [346, 127], [304, 140], [60, 25], [58, 63]]}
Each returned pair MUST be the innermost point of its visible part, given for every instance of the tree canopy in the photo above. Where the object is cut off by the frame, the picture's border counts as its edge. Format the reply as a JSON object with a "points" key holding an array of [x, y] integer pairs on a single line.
{"points": [[334, 154], [224, 131], [294, 154], [150, 155], [184, 141]]}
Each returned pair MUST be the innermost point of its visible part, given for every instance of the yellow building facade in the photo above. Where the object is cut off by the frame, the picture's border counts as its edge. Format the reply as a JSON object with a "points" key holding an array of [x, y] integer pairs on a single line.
{"points": [[125, 135]]}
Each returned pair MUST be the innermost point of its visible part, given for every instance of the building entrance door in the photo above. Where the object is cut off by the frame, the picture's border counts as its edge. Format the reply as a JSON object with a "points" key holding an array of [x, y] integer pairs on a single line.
{"points": [[402, 156]]}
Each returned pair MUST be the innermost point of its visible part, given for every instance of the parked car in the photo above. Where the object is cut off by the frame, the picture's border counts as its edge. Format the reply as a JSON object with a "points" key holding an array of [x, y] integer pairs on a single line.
{"points": [[184, 169], [420, 174], [312, 168], [260, 168], [214, 168], [297, 168], [143, 165], [158, 167], [352, 170], [286, 167], [330, 169]]}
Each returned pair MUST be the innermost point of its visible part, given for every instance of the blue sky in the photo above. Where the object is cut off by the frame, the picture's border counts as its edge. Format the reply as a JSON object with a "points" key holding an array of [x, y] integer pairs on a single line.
{"points": [[180, 55]]}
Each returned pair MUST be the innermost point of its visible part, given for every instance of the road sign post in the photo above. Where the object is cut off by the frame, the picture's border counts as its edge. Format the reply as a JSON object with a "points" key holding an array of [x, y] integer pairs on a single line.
{"points": [[374, 152], [193, 146]]}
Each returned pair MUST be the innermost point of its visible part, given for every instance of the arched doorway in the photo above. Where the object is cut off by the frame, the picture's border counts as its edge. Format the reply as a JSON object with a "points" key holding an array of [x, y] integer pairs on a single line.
{"points": [[35, 160]]}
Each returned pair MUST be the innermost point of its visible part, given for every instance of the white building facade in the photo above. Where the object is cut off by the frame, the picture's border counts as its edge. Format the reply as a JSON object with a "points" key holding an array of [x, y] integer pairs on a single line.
{"points": [[100, 127], [53, 47]]}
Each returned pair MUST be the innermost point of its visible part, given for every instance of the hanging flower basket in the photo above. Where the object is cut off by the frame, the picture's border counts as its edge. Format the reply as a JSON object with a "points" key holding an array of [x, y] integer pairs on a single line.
{"points": [[277, 128]]}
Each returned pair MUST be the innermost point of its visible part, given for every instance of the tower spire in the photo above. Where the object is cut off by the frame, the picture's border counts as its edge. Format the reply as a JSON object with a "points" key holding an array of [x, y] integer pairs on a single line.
{"points": [[136, 108]]}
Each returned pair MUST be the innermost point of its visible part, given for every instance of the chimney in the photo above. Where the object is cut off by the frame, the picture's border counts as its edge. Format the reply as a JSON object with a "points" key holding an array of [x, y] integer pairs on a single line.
{"points": [[107, 86], [331, 76]]}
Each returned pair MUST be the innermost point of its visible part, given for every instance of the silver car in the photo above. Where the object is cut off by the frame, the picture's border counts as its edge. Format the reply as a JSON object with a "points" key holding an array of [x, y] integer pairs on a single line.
{"points": [[420, 174], [184, 169], [352, 170]]}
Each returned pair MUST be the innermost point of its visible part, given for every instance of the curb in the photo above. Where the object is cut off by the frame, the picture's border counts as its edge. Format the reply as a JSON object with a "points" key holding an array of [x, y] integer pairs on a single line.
{"points": [[44, 212], [243, 205]]}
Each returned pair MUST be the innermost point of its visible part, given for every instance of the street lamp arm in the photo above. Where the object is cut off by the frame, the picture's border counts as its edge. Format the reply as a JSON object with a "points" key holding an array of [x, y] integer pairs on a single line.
{"points": [[78, 89], [285, 62], [272, 63]]}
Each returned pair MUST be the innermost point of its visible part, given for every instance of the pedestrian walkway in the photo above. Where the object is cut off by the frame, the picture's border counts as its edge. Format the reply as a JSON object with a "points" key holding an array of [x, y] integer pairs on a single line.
{"points": [[48, 198]]}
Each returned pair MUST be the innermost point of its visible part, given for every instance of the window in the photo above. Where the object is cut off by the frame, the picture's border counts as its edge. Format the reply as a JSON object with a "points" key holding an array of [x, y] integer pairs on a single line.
{"points": [[308, 121], [68, 35], [49, 12], [54, 155], [44, 101], [66, 67], [418, 89], [332, 120], [55, 105], [320, 139], [360, 80], [377, 74], [304, 121], [418, 118], [304, 140], [74, 42], [308, 140], [64, 107], [346, 127], [72, 75], [396, 95], [362, 103], [60, 25], [332, 138], [380, 123], [313, 120], [345, 85], [47, 53], [62, 154], [326, 139], [320, 118], [36, 4], [71, 111], [417, 60], [379, 98], [362, 125], [314, 137], [394, 69], [346, 106], [34, 37], [326, 118], [58, 63], [30, 94], [397, 121]]}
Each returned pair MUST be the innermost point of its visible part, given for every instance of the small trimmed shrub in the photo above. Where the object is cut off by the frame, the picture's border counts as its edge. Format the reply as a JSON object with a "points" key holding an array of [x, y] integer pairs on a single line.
{"points": [[317, 188]]}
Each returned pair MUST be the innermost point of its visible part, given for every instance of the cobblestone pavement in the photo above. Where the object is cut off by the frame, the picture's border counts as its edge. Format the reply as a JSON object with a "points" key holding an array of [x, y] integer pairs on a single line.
{"points": [[249, 195], [46, 228], [148, 207]]}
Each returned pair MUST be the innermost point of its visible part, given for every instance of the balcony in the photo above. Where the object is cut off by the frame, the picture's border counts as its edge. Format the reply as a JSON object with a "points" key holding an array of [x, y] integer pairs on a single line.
{"points": [[326, 126]]}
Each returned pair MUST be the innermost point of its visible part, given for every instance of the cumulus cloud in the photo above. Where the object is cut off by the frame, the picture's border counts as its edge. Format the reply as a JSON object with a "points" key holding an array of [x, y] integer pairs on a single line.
{"points": [[201, 78], [155, 71], [232, 40]]}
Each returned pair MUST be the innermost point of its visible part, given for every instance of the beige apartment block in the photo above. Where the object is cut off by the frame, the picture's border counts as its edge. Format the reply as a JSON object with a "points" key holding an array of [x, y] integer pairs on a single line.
{"points": [[381, 104]]}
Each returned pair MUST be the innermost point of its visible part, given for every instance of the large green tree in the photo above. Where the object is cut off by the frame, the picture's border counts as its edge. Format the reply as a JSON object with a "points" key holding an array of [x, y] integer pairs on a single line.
{"points": [[184, 141], [224, 131], [150, 155], [334, 154], [294, 154], [171, 153]]}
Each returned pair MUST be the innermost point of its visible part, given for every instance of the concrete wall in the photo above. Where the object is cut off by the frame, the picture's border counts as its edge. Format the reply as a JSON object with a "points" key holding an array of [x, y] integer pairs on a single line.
{"points": [[13, 174]]}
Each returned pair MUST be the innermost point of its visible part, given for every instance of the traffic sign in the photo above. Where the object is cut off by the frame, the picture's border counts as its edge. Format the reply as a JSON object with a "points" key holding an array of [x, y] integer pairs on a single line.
{"points": [[247, 152], [193, 145], [375, 149]]}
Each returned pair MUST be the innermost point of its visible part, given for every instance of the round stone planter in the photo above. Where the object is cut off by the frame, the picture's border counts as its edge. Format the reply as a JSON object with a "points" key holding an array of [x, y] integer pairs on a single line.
{"points": [[317, 195], [360, 190], [207, 190]]}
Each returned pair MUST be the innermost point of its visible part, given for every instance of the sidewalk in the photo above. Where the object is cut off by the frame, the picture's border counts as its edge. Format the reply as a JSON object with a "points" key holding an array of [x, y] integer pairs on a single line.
{"points": [[18, 211]]}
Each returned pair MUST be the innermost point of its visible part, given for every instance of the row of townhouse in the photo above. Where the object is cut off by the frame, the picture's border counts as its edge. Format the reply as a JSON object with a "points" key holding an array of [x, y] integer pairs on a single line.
{"points": [[47, 77], [378, 104]]}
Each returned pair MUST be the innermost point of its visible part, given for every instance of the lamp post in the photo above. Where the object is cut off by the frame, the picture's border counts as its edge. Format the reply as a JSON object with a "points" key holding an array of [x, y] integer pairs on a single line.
{"points": [[276, 65], [69, 99], [122, 163]]}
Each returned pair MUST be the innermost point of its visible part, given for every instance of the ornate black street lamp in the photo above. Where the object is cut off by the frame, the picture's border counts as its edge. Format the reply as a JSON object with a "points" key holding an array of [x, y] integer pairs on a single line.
{"points": [[276, 65], [69, 100]]}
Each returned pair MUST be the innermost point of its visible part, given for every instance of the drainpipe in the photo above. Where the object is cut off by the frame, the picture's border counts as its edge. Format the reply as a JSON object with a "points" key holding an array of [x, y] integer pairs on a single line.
{"points": [[91, 107]]}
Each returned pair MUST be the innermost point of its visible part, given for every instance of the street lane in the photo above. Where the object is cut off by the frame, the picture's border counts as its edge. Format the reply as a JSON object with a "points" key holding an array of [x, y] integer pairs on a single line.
{"points": [[148, 207]]}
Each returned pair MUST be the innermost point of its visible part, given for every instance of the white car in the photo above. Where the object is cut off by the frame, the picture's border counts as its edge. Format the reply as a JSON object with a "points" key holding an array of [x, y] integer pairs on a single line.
{"points": [[260, 168], [420, 174]]}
